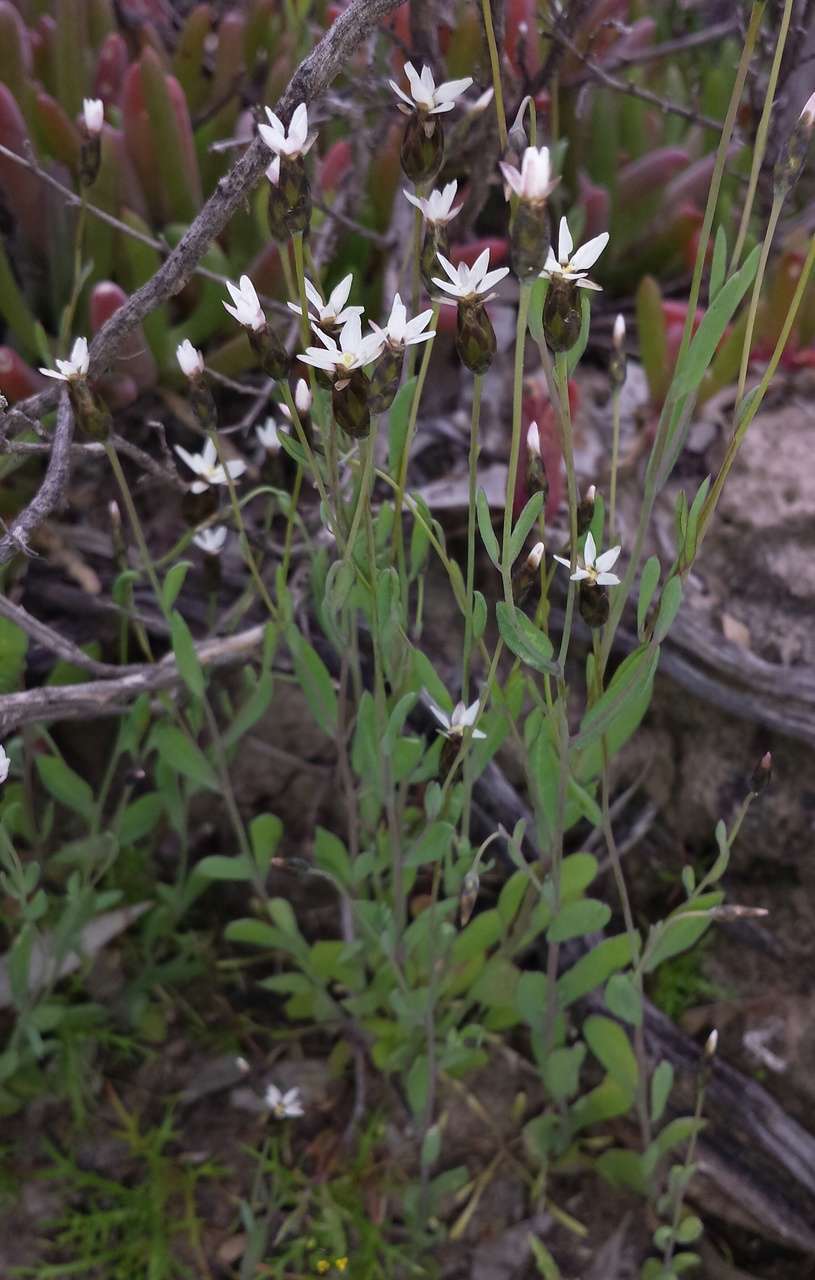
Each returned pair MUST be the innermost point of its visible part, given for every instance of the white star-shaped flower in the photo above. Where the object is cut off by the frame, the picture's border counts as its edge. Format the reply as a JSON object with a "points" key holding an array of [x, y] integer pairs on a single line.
{"points": [[533, 181], [93, 115], [76, 366], [283, 1105], [468, 283], [353, 351], [247, 309], [594, 569], [533, 439], [401, 332], [808, 113], [211, 540], [572, 266], [453, 726], [333, 311], [269, 436], [291, 142], [207, 467], [5, 765], [437, 208], [190, 359], [424, 96]]}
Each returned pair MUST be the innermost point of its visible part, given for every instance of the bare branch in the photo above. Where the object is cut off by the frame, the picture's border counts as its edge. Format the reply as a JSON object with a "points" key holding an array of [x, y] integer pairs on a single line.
{"points": [[51, 490]]}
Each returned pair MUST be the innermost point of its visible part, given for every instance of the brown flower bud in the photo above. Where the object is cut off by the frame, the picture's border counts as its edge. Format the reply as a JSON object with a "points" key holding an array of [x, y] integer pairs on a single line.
{"points": [[384, 379], [593, 604], [561, 315], [93, 419], [529, 239], [350, 398], [475, 336], [422, 150], [436, 241], [272, 355]]}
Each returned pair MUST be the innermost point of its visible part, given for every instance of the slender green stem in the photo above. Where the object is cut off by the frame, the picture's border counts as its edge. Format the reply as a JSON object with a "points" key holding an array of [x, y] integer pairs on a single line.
{"points": [[751, 409], [294, 498], [300, 272], [366, 455], [416, 277], [495, 66], [517, 427], [751, 36], [312, 461], [615, 461], [562, 382], [760, 144], [398, 544], [248, 553], [769, 235], [135, 522], [471, 523]]}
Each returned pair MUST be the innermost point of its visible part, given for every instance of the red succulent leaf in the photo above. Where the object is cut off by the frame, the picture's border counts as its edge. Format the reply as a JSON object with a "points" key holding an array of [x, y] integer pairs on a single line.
{"points": [[17, 379], [111, 66], [537, 407]]}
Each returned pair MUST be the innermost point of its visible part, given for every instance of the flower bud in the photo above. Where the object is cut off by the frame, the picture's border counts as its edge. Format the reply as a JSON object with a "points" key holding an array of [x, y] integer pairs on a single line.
{"points": [[289, 202], [592, 602], [197, 507], [617, 361], [790, 163], [762, 774], [468, 897], [475, 336], [422, 150], [203, 404], [711, 1044], [272, 355], [527, 575], [537, 480], [529, 240], [93, 116], [302, 397], [387, 373], [350, 399], [585, 511]]}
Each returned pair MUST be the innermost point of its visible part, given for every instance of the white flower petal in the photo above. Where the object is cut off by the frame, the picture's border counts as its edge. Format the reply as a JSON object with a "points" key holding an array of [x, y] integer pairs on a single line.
{"points": [[579, 575], [588, 253], [604, 562], [590, 550], [607, 580], [565, 242]]}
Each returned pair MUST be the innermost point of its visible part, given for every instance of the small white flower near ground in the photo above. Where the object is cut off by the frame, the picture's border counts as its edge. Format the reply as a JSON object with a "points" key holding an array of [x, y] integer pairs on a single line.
{"points": [[331, 312], [246, 309], [76, 366], [190, 360], [572, 264], [207, 467], [425, 95], [467, 284], [453, 725], [352, 352], [93, 115], [211, 541], [594, 569], [401, 332], [533, 181], [269, 436], [282, 1105], [5, 764], [437, 208]]}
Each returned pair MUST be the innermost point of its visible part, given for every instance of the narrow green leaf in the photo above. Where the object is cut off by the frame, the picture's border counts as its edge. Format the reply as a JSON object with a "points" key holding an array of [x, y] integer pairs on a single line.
{"points": [[173, 583], [595, 968], [181, 755], [662, 1081], [398, 419], [314, 680], [718, 264], [525, 640], [702, 348], [669, 604], [648, 585], [66, 786], [485, 528], [525, 522], [611, 1046], [218, 867], [185, 655], [265, 832]]}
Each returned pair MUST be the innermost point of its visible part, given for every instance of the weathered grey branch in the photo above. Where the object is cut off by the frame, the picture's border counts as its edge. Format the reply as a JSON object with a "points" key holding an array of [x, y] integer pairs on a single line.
{"points": [[309, 80], [52, 488], [55, 643], [108, 697]]}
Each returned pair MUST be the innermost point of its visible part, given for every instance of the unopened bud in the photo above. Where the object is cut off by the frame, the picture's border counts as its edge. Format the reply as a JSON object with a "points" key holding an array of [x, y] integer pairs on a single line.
{"points": [[385, 379], [562, 316], [302, 397], [475, 336], [585, 511], [790, 163], [92, 416], [617, 361], [762, 774], [517, 140], [468, 897], [528, 575], [711, 1044], [422, 150], [436, 241], [119, 548], [289, 202], [529, 240]]}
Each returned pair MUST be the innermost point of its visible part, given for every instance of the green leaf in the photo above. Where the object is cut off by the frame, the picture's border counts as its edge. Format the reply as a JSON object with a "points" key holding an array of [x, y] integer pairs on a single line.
{"points": [[576, 919], [219, 867], [431, 846], [648, 585], [662, 1081], [536, 300], [575, 354], [479, 615], [418, 1084], [396, 721], [576, 874], [595, 968], [525, 522], [511, 896], [624, 999], [185, 655], [681, 931], [669, 603], [653, 338], [545, 1263], [480, 935], [256, 933], [622, 1169], [718, 264], [608, 1100], [331, 856], [173, 583], [495, 986], [689, 1229], [525, 640], [703, 345], [482, 510], [677, 1132], [250, 711], [265, 832], [66, 786], [181, 755], [140, 818], [561, 1071], [398, 424], [612, 1048], [632, 678], [315, 681]]}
